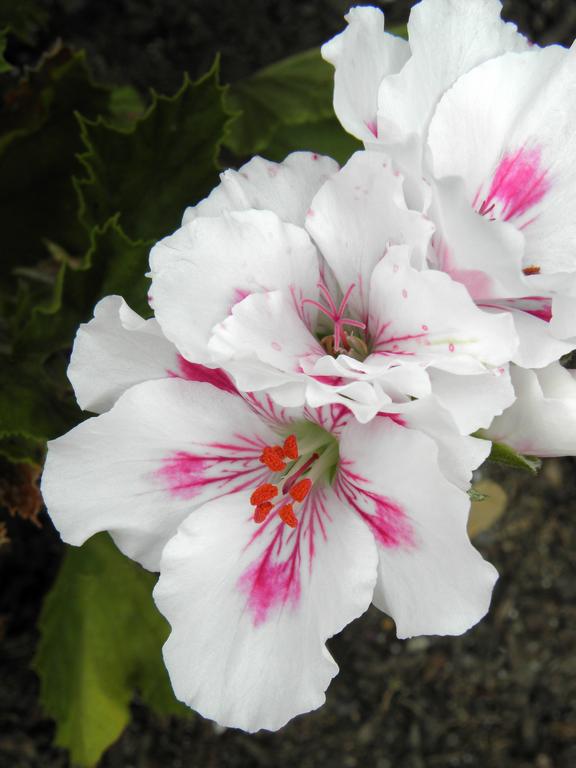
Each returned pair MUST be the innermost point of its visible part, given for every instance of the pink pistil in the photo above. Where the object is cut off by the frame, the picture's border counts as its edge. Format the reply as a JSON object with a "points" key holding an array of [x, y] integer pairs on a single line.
{"points": [[336, 315]]}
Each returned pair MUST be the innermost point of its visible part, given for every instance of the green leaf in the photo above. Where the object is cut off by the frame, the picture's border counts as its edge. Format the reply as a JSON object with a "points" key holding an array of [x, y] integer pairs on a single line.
{"points": [[168, 160], [39, 139], [35, 401], [503, 454], [100, 641], [114, 264], [327, 137], [295, 91]]}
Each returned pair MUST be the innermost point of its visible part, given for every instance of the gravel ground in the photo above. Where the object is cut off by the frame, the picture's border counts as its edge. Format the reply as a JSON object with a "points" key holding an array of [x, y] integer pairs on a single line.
{"points": [[502, 696]]}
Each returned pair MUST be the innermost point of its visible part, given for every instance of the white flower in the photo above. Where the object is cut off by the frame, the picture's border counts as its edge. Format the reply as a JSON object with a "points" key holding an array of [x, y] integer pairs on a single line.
{"points": [[386, 89], [480, 124], [272, 528], [542, 420], [341, 311], [505, 192]]}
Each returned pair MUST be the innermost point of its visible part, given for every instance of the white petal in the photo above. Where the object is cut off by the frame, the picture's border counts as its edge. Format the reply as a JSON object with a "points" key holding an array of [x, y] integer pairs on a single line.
{"points": [[137, 471], [116, 350], [356, 215], [362, 55], [431, 579], [542, 421], [211, 264], [485, 256], [286, 188], [506, 128], [251, 608], [426, 316], [473, 401], [446, 40], [458, 455]]}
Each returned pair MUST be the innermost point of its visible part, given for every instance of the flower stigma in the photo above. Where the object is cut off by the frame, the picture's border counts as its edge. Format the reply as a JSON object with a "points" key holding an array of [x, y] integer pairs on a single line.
{"points": [[340, 341], [307, 457]]}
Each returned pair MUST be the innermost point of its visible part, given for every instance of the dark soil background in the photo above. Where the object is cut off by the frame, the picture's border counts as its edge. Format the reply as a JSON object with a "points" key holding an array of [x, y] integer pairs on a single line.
{"points": [[502, 696]]}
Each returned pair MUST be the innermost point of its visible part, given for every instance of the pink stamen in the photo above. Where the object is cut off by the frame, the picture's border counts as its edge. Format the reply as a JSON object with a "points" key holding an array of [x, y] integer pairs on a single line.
{"points": [[336, 315]]}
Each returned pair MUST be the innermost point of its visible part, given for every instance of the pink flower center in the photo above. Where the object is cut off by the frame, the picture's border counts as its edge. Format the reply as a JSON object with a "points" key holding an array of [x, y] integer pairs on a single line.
{"points": [[338, 341]]}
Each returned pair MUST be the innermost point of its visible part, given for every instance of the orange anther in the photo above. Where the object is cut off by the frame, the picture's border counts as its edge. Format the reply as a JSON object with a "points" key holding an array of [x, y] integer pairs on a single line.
{"points": [[263, 493], [532, 270], [301, 489], [287, 515], [291, 447], [273, 457], [261, 512]]}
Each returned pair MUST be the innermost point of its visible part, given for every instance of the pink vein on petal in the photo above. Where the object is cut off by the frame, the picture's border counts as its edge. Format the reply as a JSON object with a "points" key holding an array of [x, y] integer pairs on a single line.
{"points": [[519, 183], [201, 373], [274, 580], [186, 475], [385, 518]]}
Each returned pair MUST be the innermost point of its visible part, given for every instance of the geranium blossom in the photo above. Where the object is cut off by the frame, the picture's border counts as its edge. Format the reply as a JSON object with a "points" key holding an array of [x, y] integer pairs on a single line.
{"points": [[342, 310], [465, 113], [272, 528]]}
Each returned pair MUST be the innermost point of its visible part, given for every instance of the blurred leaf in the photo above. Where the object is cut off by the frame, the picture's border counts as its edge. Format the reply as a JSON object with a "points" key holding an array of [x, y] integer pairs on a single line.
{"points": [[23, 17], [33, 404], [327, 137], [100, 641], [487, 510], [36, 399], [39, 141], [126, 107], [113, 265], [4, 65], [19, 448], [503, 454], [294, 91], [168, 160]]}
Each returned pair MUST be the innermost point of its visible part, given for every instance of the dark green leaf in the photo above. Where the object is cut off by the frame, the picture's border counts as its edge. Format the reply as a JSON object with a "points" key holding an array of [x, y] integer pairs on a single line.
{"points": [[113, 265], [39, 141], [24, 17], [295, 91], [327, 137], [168, 160], [4, 65], [100, 641]]}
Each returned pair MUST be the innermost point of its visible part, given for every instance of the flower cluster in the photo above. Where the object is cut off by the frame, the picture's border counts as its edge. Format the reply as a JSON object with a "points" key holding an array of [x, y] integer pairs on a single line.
{"points": [[292, 436]]}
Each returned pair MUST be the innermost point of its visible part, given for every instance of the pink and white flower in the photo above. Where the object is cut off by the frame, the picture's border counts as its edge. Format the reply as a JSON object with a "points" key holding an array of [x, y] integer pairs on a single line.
{"points": [[272, 528], [341, 311], [465, 113]]}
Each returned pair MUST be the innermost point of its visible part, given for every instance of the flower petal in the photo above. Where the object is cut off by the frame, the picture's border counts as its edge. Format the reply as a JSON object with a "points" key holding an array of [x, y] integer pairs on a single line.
{"points": [[356, 215], [473, 401], [494, 129], [446, 40], [542, 420], [114, 351], [211, 264], [362, 55], [137, 471], [286, 188], [458, 455], [426, 316], [251, 608], [485, 256], [431, 579]]}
